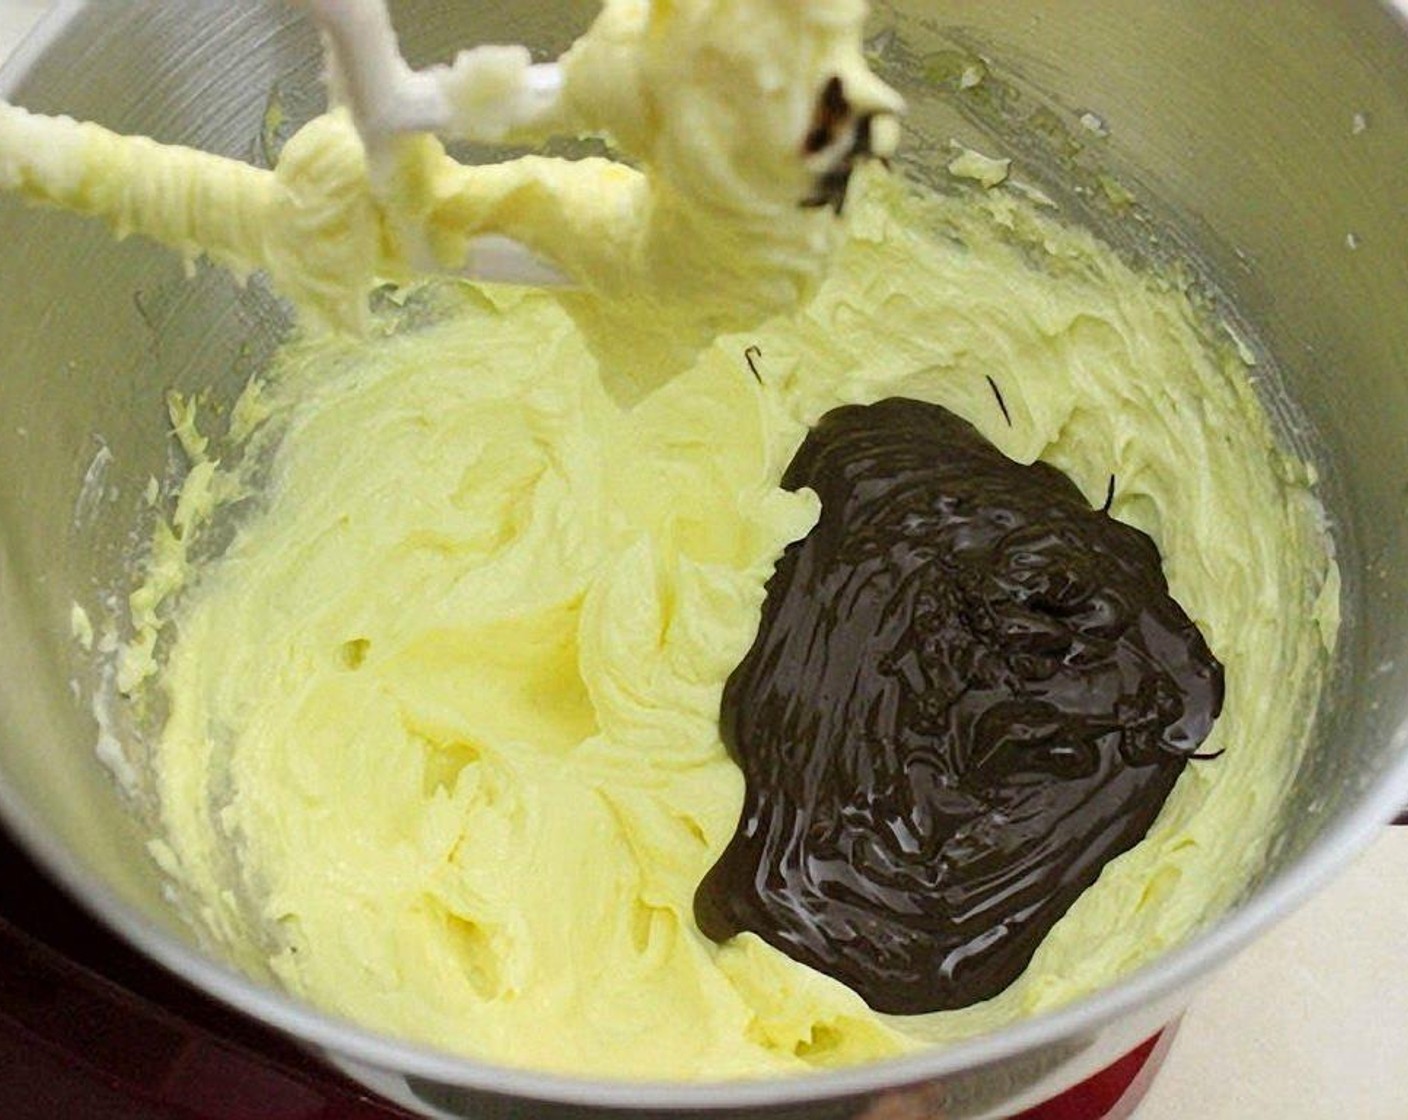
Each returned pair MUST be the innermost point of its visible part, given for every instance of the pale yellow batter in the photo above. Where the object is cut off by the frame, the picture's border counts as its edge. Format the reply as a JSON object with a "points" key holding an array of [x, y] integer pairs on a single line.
{"points": [[440, 750]]}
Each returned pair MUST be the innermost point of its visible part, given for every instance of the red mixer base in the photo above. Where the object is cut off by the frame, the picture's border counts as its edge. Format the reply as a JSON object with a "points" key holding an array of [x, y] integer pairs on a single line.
{"points": [[89, 1030], [1113, 1093]]}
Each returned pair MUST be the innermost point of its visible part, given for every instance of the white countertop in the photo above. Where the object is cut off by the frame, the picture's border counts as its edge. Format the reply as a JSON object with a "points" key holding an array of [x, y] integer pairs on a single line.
{"points": [[1310, 1023]]}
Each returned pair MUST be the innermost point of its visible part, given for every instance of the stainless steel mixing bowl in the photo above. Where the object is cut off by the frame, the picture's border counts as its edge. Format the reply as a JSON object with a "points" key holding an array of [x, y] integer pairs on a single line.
{"points": [[1267, 141]]}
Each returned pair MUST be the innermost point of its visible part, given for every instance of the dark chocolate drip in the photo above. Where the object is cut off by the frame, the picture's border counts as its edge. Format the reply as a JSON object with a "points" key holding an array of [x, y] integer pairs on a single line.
{"points": [[969, 692]]}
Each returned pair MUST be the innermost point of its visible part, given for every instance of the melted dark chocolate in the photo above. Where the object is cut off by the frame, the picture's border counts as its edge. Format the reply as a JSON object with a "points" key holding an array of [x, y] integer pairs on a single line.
{"points": [[969, 692]]}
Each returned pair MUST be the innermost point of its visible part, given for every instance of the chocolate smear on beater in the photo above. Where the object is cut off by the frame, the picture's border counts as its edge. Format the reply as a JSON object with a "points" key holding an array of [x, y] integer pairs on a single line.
{"points": [[834, 115]]}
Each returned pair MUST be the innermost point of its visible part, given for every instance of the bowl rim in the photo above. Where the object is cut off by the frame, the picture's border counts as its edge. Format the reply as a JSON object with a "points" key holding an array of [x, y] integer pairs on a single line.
{"points": [[1177, 970]]}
